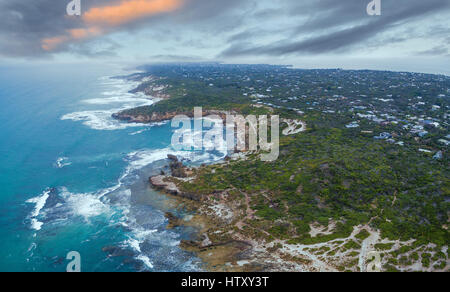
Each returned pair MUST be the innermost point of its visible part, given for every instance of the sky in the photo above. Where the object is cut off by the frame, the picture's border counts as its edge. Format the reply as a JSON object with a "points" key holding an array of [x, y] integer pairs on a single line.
{"points": [[409, 35]]}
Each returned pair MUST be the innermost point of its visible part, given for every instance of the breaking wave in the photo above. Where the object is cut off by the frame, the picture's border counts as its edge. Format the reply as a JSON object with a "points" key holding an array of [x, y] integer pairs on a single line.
{"points": [[62, 162], [121, 99], [39, 202], [147, 238]]}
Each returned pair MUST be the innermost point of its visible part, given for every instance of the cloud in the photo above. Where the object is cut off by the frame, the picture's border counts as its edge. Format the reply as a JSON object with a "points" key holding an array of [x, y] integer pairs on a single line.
{"points": [[41, 28], [436, 51], [332, 30], [96, 48], [127, 11], [99, 20], [211, 28], [52, 43]]}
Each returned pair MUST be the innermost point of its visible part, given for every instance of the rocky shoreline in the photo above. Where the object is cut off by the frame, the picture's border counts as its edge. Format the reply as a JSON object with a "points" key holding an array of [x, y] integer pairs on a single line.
{"points": [[217, 254], [156, 117], [144, 119], [221, 244], [227, 243]]}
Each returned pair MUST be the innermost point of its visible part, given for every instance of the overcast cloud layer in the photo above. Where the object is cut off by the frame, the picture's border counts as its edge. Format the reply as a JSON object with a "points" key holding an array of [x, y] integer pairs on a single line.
{"points": [[188, 30]]}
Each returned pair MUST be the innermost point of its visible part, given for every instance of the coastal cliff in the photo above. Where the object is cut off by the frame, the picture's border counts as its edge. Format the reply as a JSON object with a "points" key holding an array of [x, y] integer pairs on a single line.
{"points": [[219, 252], [155, 117], [140, 118]]}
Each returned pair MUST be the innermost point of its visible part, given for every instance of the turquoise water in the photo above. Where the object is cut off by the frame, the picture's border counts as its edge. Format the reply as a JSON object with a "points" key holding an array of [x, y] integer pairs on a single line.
{"points": [[73, 179]]}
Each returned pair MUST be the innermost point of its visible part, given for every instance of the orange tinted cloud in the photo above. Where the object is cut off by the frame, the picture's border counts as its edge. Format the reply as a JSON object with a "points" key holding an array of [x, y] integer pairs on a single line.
{"points": [[81, 33], [99, 20], [127, 11], [52, 43]]}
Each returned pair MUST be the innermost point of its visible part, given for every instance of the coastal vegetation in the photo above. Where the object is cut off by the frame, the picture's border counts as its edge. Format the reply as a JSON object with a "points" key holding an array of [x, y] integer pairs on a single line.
{"points": [[390, 192]]}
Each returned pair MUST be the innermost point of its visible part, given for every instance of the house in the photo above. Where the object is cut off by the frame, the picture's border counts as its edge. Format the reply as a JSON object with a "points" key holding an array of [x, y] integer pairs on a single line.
{"points": [[431, 123], [383, 136], [422, 134], [443, 141], [438, 155], [352, 125], [435, 108], [424, 150]]}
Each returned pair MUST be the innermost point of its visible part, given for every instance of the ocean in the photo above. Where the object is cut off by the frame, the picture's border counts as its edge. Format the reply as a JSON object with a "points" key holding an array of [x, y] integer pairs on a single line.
{"points": [[74, 179]]}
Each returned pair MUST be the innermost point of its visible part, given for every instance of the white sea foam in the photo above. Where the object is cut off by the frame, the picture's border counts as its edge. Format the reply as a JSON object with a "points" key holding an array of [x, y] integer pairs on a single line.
{"points": [[40, 203], [62, 162], [32, 247], [140, 159], [138, 236], [116, 99], [135, 240], [134, 244], [36, 224], [101, 119], [139, 132], [85, 205], [149, 127], [145, 260]]}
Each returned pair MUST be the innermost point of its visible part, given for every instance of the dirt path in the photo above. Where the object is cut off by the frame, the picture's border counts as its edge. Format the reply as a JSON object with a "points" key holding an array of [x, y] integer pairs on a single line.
{"points": [[367, 246], [249, 213], [299, 250]]}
